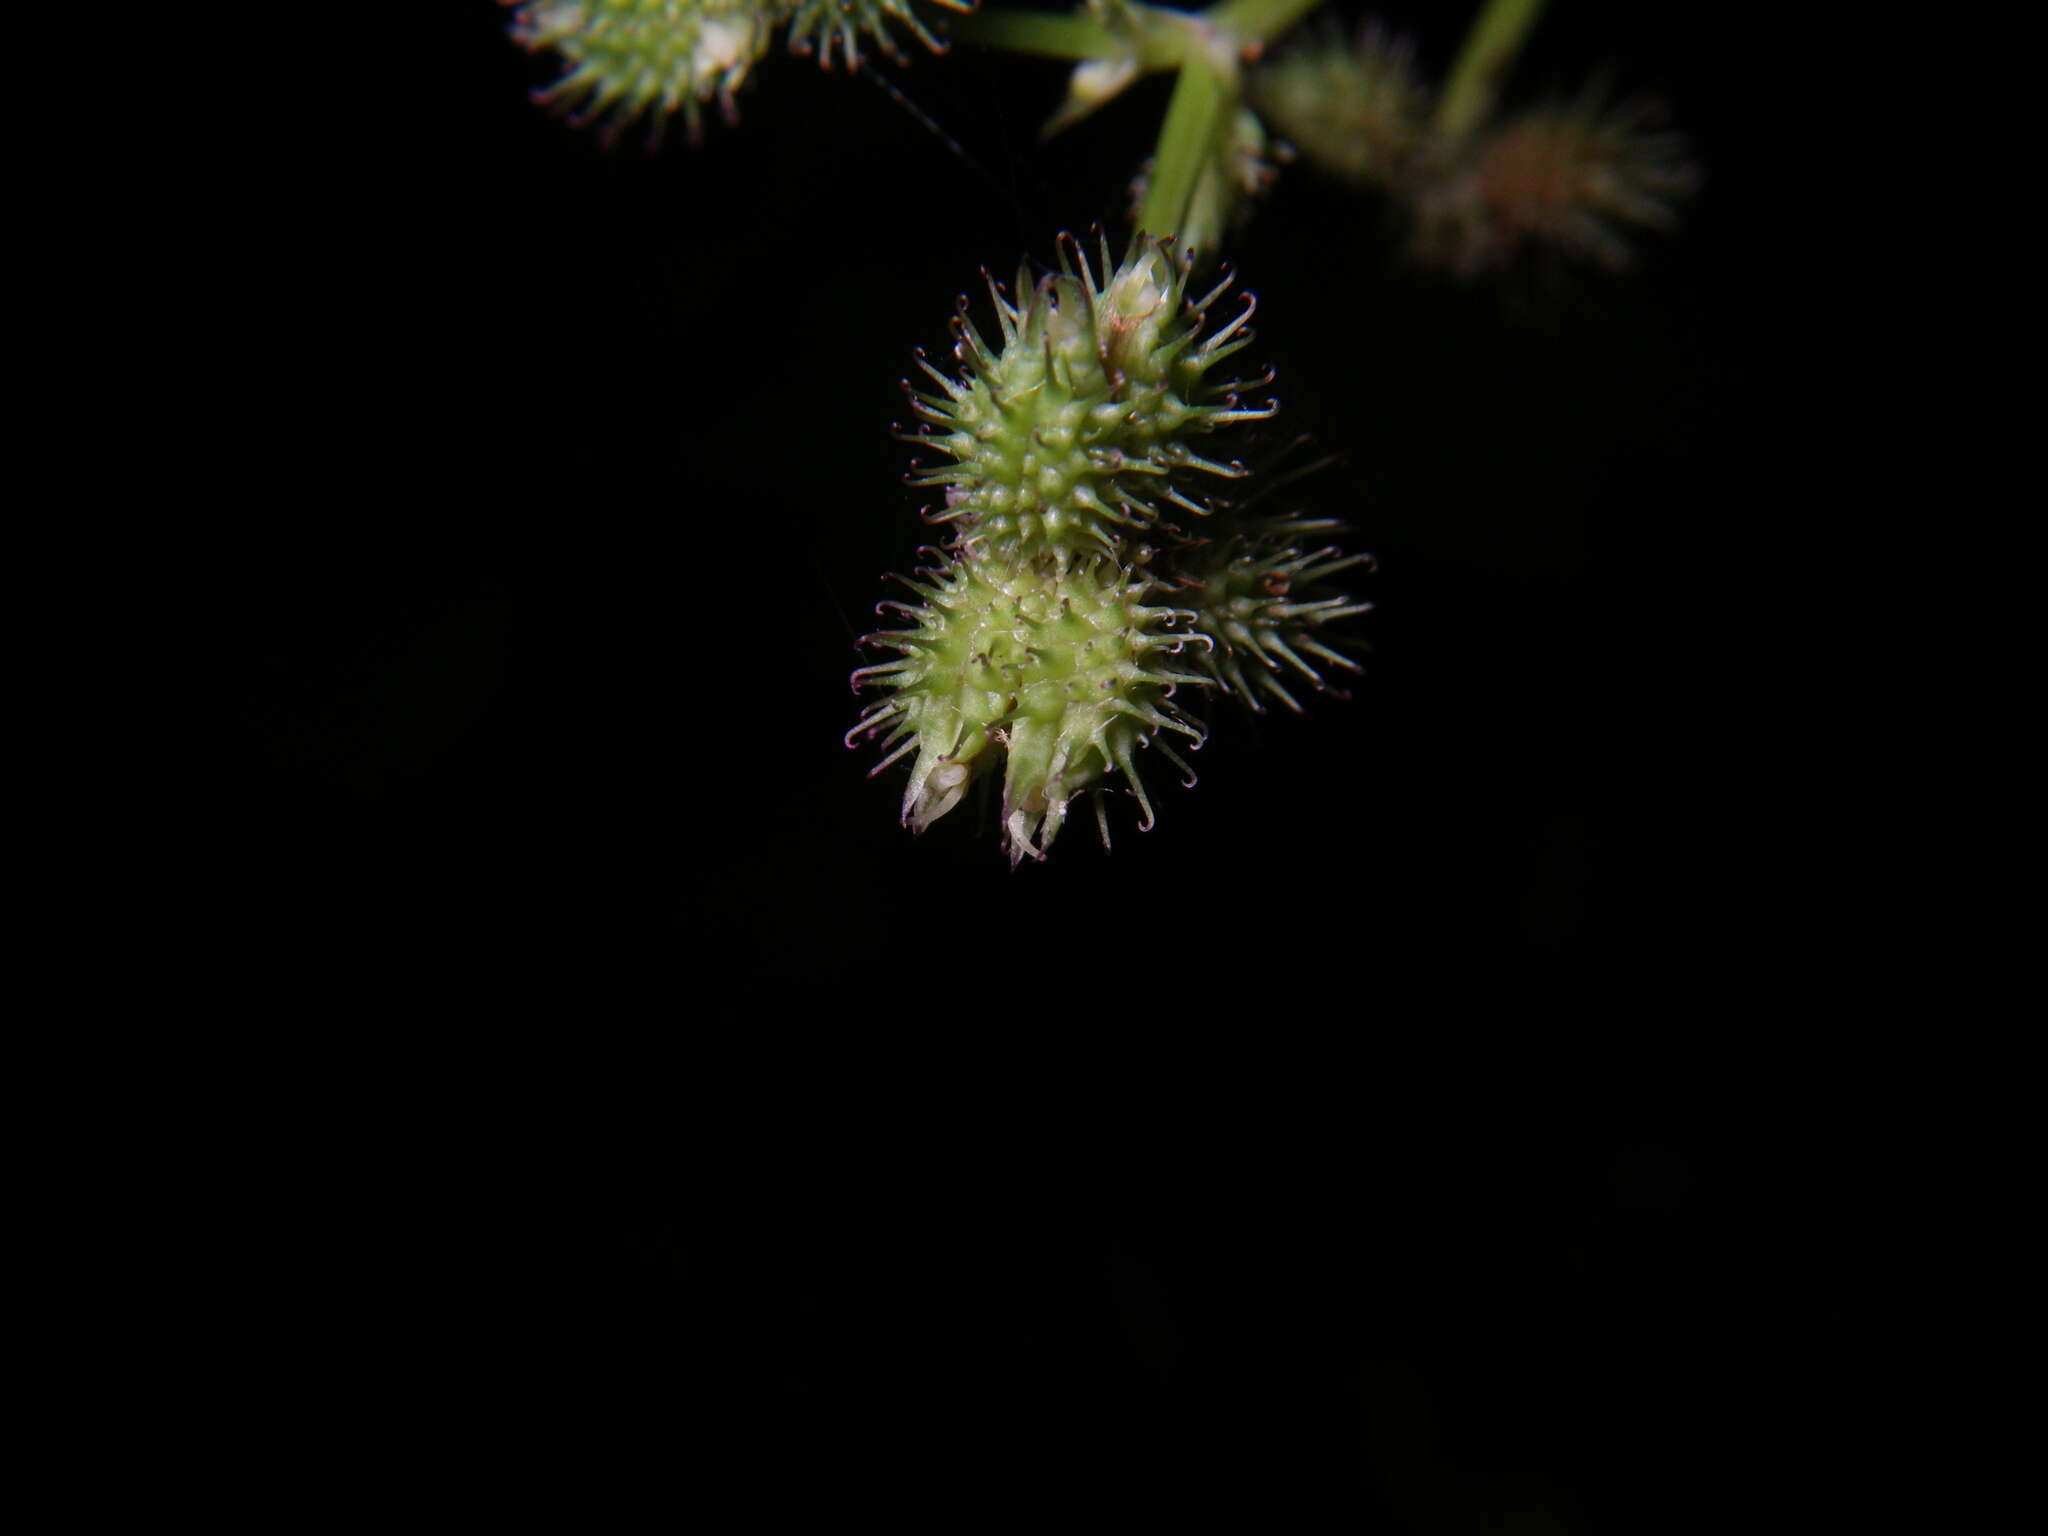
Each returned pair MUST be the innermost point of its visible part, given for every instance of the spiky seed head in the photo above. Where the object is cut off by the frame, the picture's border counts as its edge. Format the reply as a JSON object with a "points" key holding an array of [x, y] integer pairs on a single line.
{"points": [[820, 26], [1357, 108], [1261, 595], [629, 59], [1577, 178], [1060, 675], [1072, 432]]}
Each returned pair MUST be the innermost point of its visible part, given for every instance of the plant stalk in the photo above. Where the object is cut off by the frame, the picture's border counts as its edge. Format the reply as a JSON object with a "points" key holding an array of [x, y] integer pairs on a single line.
{"points": [[1037, 32], [1159, 39], [1187, 143], [1258, 22], [1489, 50]]}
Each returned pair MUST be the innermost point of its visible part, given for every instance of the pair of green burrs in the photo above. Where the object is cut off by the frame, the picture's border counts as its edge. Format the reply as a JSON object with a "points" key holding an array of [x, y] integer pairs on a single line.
{"points": [[1093, 566]]}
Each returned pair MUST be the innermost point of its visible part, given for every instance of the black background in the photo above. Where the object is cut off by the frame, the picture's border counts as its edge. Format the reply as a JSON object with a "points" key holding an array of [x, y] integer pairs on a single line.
{"points": [[487, 1054]]}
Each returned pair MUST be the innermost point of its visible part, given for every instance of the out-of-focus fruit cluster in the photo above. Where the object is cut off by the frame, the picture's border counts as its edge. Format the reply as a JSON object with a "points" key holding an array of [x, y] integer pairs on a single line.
{"points": [[625, 61], [1579, 177]]}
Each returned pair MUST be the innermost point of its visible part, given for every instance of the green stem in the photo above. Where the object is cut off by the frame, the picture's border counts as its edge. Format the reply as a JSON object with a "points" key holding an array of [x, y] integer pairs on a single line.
{"points": [[1187, 142], [1489, 51], [1159, 40], [1257, 21], [1054, 37], [1204, 48]]}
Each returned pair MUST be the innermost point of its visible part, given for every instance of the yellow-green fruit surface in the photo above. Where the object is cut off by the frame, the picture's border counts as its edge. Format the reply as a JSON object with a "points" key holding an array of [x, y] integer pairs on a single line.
{"points": [[1078, 430], [1061, 675]]}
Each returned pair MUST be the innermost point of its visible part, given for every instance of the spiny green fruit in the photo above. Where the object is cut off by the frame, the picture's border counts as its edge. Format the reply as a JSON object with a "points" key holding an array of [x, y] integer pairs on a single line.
{"points": [[1061, 674], [1075, 433], [627, 59], [820, 25], [1256, 599]]}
